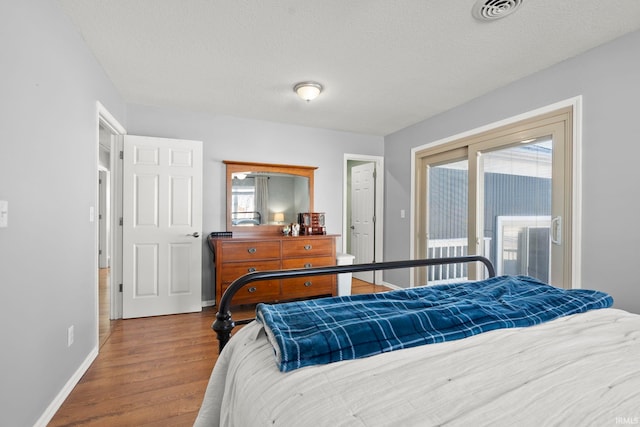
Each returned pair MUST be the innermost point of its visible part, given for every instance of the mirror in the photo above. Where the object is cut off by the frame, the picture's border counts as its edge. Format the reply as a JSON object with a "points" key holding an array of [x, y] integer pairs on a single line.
{"points": [[263, 197]]}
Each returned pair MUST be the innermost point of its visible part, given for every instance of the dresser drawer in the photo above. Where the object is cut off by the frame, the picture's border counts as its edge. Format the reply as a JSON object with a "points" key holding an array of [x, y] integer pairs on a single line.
{"points": [[300, 287], [232, 270], [263, 290], [308, 262], [242, 251], [299, 246]]}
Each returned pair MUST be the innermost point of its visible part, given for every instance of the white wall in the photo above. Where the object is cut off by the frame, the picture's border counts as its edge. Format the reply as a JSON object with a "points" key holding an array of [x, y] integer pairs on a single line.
{"points": [[49, 85], [608, 78], [231, 138]]}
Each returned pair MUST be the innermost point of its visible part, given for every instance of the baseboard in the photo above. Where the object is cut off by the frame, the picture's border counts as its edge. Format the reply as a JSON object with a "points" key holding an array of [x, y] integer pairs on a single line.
{"points": [[66, 390], [390, 285]]}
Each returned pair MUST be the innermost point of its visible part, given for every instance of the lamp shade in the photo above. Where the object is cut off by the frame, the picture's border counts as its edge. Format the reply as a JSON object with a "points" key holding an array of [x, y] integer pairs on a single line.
{"points": [[278, 217], [308, 90]]}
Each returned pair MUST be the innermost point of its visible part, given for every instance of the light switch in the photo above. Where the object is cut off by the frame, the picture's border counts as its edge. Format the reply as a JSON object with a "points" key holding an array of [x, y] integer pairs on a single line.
{"points": [[402, 213], [4, 214]]}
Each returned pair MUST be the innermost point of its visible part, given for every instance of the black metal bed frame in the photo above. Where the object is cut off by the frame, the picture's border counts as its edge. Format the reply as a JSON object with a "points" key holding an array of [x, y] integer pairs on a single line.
{"points": [[224, 324]]}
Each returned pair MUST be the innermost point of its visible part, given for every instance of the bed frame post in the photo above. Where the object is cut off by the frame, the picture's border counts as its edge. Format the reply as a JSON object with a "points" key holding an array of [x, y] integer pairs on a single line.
{"points": [[223, 326]]}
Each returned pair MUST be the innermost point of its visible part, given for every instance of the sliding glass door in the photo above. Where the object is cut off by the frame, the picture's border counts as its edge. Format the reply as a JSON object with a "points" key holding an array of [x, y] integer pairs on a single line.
{"points": [[504, 194], [447, 204], [517, 188]]}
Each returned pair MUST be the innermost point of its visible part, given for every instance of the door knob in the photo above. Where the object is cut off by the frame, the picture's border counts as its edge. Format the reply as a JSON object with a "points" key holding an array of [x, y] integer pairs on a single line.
{"points": [[196, 235]]}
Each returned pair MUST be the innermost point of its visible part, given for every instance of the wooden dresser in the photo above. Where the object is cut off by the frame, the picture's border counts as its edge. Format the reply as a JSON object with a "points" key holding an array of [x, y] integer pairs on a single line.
{"points": [[236, 256]]}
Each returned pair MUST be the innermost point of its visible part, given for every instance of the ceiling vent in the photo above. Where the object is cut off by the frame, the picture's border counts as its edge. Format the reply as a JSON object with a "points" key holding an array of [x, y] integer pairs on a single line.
{"points": [[490, 10]]}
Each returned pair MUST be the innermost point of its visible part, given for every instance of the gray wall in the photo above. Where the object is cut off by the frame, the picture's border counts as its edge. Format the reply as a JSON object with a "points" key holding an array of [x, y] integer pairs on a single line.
{"points": [[608, 78], [49, 84], [231, 138]]}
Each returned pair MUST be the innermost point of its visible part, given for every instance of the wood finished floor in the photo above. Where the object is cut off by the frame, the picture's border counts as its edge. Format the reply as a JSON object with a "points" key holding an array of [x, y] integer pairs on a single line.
{"points": [[152, 371]]}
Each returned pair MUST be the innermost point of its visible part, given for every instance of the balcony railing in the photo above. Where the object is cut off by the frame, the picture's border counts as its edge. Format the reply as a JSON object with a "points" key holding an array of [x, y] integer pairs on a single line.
{"points": [[445, 248]]}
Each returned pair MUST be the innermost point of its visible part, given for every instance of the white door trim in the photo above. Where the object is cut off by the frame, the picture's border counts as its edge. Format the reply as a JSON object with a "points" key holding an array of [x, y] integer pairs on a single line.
{"points": [[104, 247], [379, 209]]}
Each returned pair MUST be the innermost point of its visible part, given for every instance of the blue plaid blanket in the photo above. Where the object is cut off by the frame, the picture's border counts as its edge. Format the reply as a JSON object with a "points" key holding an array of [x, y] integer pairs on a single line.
{"points": [[328, 330]]}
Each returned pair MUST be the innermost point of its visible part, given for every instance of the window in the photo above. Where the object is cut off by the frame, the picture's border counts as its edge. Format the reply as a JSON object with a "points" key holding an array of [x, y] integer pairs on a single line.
{"points": [[243, 196], [505, 194]]}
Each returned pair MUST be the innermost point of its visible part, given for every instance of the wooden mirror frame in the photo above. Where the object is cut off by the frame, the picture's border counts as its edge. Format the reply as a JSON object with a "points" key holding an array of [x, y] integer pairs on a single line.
{"points": [[235, 167]]}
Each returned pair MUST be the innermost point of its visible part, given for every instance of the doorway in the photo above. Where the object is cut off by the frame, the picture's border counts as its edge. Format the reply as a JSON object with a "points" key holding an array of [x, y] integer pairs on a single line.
{"points": [[362, 216], [109, 238], [105, 323]]}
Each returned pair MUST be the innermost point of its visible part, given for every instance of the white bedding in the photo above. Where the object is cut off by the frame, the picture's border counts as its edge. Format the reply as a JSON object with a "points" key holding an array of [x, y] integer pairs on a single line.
{"points": [[579, 370]]}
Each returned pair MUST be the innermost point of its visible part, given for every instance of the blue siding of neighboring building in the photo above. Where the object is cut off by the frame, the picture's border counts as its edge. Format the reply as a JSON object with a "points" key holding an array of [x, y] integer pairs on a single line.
{"points": [[510, 195]]}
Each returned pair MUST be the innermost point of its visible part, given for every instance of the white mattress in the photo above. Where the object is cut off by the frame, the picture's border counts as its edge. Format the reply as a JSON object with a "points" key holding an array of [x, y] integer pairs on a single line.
{"points": [[580, 370]]}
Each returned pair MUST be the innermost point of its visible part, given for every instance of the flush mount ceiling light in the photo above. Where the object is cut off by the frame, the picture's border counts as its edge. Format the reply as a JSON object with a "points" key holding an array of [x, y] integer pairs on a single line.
{"points": [[307, 90], [490, 10]]}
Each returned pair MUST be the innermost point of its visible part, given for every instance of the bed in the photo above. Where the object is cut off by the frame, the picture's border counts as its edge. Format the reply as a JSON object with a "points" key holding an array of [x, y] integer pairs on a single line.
{"points": [[246, 218], [581, 368]]}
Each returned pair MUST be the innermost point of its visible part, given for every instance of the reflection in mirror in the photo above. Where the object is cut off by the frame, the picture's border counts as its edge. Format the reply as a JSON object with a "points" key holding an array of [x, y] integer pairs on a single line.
{"points": [[262, 197], [267, 198]]}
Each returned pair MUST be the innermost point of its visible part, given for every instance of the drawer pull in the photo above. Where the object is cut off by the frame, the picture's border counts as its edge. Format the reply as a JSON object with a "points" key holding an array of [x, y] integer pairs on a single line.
{"points": [[252, 289], [308, 265], [252, 250], [307, 283], [251, 269], [307, 247]]}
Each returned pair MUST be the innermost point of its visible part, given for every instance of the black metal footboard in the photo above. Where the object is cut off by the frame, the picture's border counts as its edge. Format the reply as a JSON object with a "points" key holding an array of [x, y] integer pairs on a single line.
{"points": [[224, 324]]}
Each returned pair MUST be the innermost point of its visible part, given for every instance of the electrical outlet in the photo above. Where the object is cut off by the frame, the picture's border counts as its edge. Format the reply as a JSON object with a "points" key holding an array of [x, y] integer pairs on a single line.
{"points": [[70, 336]]}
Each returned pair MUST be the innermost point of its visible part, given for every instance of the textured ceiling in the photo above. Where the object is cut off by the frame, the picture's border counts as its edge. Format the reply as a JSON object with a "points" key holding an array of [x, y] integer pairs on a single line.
{"points": [[385, 64]]}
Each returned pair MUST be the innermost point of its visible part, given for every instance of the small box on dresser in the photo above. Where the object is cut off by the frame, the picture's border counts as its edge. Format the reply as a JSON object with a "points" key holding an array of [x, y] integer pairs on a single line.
{"points": [[312, 223]]}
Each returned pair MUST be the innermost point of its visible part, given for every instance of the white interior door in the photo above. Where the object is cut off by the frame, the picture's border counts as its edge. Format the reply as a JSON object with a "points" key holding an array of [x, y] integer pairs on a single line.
{"points": [[363, 216], [162, 225]]}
